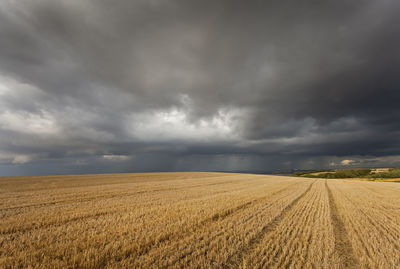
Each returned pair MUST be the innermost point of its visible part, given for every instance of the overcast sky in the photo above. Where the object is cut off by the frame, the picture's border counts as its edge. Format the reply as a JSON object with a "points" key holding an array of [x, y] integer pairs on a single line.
{"points": [[150, 85]]}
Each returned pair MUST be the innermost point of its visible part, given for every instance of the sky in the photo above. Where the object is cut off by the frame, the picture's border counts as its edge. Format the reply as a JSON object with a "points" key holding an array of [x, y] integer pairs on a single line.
{"points": [[102, 86]]}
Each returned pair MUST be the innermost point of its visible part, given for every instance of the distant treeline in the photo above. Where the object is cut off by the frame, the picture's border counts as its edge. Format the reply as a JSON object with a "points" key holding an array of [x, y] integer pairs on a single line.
{"points": [[351, 173]]}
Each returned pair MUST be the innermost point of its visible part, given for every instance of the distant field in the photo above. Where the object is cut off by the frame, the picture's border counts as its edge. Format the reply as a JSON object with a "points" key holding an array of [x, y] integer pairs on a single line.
{"points": [[212, 220], [371, 174]]}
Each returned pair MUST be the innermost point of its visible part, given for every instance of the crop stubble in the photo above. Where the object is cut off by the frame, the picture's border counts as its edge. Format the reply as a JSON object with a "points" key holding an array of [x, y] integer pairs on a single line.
{"points": [[198, 220]]}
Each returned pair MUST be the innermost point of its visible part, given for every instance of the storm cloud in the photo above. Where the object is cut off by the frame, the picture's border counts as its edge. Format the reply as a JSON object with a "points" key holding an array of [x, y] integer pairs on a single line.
{"points": [[126, 86]]}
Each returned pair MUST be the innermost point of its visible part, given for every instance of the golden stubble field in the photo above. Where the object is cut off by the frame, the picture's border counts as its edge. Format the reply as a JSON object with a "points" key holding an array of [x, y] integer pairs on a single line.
{"points": [[212, 220]]}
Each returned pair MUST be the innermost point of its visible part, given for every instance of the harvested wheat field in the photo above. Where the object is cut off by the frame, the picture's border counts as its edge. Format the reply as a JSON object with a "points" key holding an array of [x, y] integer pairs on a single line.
{"points": [[201, 220]]}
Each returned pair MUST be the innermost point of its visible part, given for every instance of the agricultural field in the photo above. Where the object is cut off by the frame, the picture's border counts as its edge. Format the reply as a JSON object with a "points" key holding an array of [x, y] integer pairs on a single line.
{"points": [[371, 174], [198, 220]]}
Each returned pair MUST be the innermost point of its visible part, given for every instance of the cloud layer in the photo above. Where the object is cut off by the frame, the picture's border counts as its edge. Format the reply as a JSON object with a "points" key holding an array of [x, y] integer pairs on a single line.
{"points": [[100, 86]]}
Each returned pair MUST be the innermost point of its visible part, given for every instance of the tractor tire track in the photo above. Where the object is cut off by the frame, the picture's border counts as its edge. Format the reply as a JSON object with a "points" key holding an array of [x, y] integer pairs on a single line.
{"points": [[235, 260], [216, 217], [342, 242]]}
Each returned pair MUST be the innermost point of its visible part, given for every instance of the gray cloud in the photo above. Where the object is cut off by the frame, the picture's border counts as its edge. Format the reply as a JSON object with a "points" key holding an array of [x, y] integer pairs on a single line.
{"points": [[175, 85]]}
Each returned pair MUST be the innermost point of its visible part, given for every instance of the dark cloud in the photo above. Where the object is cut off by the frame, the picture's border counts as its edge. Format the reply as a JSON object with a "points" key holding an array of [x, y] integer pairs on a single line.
{"points": [[197, 85]]}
